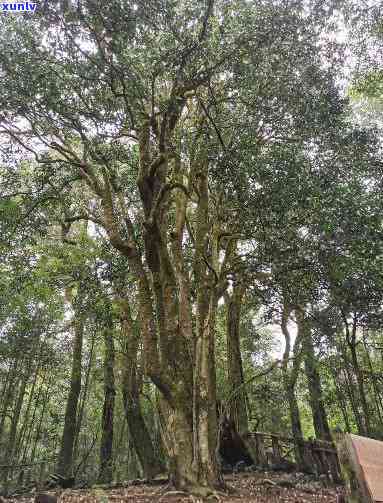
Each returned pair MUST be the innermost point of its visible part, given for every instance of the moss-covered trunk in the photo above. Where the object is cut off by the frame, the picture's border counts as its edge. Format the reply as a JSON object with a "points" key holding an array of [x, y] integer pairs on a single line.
{"points": [[178, 357], [138, 431]]}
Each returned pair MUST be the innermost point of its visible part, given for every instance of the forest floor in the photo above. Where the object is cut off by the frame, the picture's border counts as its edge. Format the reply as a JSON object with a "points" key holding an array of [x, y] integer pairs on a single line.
{"points": [[248, 487]]}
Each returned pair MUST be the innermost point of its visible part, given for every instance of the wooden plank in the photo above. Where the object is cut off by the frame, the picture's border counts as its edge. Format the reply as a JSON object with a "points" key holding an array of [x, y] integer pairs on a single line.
{"points": [[361, 462]]}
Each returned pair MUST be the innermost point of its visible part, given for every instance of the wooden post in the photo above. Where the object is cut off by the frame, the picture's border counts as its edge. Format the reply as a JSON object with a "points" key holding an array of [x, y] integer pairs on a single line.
{"points": [[310, 459], [334, 467], [261, 453], [277, 453], [42, 472], [251, 446], [320, 457], [330, 459]]}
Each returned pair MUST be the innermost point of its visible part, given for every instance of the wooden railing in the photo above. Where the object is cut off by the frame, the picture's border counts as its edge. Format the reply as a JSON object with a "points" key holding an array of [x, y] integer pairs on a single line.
{"points": [[270, 449], [24, 476]]}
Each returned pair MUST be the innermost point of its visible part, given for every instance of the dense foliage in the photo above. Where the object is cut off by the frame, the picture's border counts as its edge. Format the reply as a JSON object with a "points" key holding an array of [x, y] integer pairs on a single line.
{"points": [[191, 222]]}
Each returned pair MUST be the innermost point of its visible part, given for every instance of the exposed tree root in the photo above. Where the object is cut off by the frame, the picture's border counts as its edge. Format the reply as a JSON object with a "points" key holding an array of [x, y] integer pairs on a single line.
{"points": [[161, 489], [173, 493], [197, 494], [214, 495]]}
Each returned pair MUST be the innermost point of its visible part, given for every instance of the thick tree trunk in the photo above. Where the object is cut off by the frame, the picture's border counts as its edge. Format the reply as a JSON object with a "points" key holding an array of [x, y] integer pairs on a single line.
{"points": [[177, 430], [180, 363], [237, 393], [210, 286], [65, 460], [205, 401], [106, 448], [321, 427]]}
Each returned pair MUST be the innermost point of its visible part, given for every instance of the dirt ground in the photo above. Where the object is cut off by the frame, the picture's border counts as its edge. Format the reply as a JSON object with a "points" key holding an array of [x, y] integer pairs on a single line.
{"points": [[248, 487]]}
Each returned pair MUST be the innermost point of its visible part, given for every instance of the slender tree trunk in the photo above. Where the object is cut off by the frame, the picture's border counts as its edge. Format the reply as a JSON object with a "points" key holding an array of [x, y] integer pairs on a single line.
{"points": [[84, 395], [364, 422], [119, 467], [8, 395], [296, 426], [361, 389], [16, 415], [341, 400], [23, 429], [65, 460], [290, 376], [237, 393], [45, 402], [205, 401], [31, 425], [106, 450], [7, 374], [349, 383], [375, 384], [138, 431], [15, 422], [321, 427]]}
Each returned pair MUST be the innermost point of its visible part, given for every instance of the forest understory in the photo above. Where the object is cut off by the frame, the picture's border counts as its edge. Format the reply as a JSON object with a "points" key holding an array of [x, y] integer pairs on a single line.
{"points": [[254, 487]]}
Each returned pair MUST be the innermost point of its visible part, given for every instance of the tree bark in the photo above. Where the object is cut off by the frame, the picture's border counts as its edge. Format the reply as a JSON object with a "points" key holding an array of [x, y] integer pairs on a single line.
{"points": [[106, 449], [361, 389], [365, 425], [65, 459], [16, 414], [23, 429], [32, 424], [341, 400], [375, 382], [84, 395], [321, 427], [180, 363], [237, 394], [138, 431], [44, 404], [290, 376], [8, 395]]}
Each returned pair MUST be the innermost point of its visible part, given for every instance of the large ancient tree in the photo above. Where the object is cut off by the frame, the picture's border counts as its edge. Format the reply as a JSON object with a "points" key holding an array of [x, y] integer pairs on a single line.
{"points": [[142, 105]]}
